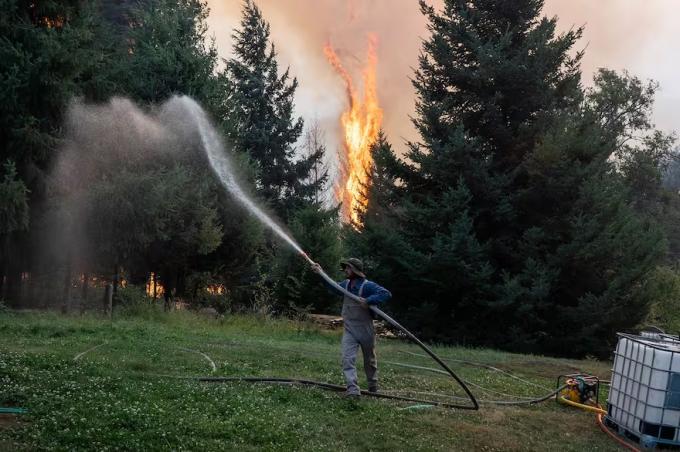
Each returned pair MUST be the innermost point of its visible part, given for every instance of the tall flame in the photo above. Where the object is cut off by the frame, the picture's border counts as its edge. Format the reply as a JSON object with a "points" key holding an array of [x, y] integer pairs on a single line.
{"points": [[361, 125]]}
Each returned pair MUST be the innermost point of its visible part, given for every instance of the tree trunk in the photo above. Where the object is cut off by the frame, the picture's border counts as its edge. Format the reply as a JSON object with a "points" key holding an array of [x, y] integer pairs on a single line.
{"points": [[116, 277], [83, 291], [13, 291], [108, 300], [167, 300], [66, 293], [4, 271], [12, 272], [155, 286]]}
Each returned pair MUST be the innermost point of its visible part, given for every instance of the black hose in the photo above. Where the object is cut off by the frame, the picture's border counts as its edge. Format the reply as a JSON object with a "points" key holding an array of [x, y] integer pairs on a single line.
{"points": [[391, 321], [332, 387], [339, 388]]}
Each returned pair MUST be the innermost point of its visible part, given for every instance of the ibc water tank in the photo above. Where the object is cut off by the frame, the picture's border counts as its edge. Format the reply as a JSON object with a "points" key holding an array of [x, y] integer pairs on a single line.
{"points": [[644, 397]]}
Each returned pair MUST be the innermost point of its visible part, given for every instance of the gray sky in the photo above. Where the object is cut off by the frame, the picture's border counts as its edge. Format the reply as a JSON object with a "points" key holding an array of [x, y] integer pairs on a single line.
{"points": [[641, 36]]}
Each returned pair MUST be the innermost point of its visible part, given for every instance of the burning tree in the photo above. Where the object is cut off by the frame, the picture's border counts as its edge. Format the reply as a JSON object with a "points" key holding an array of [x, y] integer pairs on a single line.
{"points": [[361, 125]]}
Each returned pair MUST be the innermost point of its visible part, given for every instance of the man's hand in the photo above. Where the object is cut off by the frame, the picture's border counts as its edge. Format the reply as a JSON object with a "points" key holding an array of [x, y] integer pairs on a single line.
{"points": [[316, 268], [363, 302]]}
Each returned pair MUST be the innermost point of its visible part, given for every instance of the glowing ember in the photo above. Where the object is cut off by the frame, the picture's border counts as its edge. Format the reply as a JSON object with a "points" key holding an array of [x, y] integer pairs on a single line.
{"points": [[361, 124], [216, 289]]}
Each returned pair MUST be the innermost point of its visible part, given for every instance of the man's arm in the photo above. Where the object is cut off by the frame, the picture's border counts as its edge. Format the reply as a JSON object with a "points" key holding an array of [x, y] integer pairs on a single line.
{"points": [[376, 294]]}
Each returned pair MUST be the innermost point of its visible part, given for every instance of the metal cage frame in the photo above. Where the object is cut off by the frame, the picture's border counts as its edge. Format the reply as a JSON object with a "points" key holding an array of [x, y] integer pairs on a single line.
{"points": [[635, 398]]}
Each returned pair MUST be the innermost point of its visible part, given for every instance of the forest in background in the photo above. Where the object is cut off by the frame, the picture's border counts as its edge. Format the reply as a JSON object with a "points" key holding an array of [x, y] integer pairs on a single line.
{"points": [[533, 214]]}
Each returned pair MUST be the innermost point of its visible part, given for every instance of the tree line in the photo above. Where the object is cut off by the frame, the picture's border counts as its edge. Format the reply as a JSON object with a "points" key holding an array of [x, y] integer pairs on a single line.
{"points": [[533, 213], [108, 216]]}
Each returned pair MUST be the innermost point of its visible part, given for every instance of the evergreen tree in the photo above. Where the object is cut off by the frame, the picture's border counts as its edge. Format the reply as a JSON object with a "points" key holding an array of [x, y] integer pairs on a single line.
{"points": [[13, 215], [167, 49], [50, 52], [260, 117], [510, 211], [13, 201], [298, 289], [490, 79]]}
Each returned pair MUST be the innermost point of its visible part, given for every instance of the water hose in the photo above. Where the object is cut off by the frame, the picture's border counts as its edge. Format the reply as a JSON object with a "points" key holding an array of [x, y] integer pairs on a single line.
{"points": [[599, 411], [592, 409], [614, 436], [330, 386], [485, 366], [13, 410], [380, 395], [411, 336]]}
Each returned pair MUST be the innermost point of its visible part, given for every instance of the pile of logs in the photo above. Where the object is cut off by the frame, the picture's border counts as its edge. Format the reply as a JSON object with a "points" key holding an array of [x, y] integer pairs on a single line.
{"points": [[332, 322]]}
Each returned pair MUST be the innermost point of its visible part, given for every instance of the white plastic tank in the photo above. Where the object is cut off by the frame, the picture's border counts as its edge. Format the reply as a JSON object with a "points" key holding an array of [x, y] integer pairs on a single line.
{"points": [[644, 397]]}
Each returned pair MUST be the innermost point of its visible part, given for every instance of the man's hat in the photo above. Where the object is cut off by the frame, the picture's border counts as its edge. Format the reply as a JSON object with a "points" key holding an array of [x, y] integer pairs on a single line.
{"points": [[355, 265]]}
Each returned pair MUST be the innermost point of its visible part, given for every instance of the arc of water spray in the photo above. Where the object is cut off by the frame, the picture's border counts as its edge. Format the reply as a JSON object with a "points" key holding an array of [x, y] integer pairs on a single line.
{"points": [[212, 144], [219, 162]]}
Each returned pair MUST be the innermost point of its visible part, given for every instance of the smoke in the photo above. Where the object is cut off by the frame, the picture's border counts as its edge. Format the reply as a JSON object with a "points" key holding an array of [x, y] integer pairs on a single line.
{"points": [[637, 35], [300, 28]]}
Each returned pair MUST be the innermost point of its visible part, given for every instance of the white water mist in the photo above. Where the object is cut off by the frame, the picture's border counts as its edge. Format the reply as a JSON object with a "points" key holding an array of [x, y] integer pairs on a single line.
{"points": [[221, 165]]}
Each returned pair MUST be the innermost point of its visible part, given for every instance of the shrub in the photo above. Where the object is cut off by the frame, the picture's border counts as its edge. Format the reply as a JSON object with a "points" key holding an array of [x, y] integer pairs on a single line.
{"points": [[662, 287], [132, 301]]}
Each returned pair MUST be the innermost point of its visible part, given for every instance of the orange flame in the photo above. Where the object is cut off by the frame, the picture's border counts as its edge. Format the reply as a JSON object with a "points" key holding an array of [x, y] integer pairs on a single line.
{"points": [[361, 124], [153, 287]]}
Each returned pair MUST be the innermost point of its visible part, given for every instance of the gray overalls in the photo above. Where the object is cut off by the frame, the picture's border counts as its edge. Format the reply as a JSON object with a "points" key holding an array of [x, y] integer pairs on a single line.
{"points": [[358, 331]]}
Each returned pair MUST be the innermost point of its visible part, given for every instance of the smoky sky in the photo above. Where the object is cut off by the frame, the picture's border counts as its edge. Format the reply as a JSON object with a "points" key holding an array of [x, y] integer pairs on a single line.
{"points": [[638, 35]]}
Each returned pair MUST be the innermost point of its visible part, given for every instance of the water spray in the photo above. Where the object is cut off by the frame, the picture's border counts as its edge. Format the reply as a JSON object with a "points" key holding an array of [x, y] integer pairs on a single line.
{"points": [[221, 165]]}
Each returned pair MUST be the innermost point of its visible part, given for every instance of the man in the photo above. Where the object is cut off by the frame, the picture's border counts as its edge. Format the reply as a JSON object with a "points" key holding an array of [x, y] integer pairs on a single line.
{"points": [[358, 323]]}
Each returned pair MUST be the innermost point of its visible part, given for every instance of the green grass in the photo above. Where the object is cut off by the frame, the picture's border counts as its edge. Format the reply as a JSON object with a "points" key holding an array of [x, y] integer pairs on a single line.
{"points": [[130, 392]]}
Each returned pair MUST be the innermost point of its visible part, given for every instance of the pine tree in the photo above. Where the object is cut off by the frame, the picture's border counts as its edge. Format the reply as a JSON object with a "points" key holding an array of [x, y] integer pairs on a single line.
{"points": [[317, 230], [510, 211], [259, 110], [51, 51], [490, 79], [13, 215], [167, 49]]}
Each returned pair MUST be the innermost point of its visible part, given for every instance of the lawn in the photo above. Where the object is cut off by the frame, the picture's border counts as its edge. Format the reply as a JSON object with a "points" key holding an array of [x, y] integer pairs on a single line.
{"points": [[90, 383]]}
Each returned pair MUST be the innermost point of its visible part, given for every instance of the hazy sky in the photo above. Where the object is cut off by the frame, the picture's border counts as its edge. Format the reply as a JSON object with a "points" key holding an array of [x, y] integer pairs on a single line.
{"points": [[641, 36]]}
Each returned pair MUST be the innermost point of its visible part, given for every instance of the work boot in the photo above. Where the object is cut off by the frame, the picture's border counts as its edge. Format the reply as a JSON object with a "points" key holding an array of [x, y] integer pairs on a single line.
{"points": [[351, 395], [373, 389]]}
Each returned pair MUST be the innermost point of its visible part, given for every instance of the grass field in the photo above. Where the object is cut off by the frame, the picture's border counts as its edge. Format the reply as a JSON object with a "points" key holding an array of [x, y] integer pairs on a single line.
{"points": [[129, 390]]}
